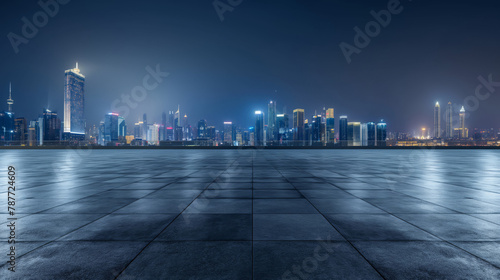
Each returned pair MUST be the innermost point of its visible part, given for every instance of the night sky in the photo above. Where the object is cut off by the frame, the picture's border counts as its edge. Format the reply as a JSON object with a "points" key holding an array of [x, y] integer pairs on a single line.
{"points": [[283, 50]]}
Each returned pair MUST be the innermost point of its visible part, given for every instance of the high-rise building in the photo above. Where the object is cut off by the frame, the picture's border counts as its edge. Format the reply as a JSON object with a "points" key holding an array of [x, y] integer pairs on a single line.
{"points": [[20, 131], [437, 121], [153, 136], [343, 131], [228, 133], [272, 131], [370, 130], [74, 102], [316, 130], [283, 125], [381, 134], [298, 126], [354, 134], [163, 127], [202, 129], [178, 131], [449, 121], [330, 126], [110, 128], [7, 130], [50, 128], [364, 134], [122, 128], [259, 128], [462, 123]]}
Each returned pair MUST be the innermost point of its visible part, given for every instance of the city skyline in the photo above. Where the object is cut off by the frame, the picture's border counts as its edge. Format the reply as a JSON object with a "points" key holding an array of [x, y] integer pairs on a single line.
{"points": [[74, 84]]}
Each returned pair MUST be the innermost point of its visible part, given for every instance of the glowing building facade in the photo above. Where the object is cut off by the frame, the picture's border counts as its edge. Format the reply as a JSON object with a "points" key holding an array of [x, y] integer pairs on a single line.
{"points": [[74, 102]]}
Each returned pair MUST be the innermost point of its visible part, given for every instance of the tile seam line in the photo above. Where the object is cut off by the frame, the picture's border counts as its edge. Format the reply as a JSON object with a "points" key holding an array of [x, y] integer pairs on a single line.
{"points": [[349, 242], [150, 242]]}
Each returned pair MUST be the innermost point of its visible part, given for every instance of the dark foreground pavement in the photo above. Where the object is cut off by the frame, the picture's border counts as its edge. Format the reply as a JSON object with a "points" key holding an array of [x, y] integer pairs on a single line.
{"points": [[250, 214]]}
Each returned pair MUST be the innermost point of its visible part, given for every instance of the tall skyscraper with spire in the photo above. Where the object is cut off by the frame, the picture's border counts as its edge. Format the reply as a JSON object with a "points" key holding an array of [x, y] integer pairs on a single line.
{"points": [[74, 101], [10, 101], [437, 121], [449, 121]]}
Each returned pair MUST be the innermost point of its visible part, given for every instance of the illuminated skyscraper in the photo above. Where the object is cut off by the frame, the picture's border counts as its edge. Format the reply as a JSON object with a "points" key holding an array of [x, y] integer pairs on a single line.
{"points": [[74, 102], [316, 129], [177, 125], [462, 123], [381, 133], [110, 128], [283, 125], [228, 133], [354, 134], [272, 131], [298, 126], [202, 129], [343, 131], [122, 127], [330, 126], [259, 128], [449, 121], [370, 127], [50, 128], [437, 121]]}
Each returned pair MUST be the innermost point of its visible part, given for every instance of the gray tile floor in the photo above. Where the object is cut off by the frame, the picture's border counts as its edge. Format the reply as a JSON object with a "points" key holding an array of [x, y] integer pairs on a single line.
{"points": [[246, 214]]}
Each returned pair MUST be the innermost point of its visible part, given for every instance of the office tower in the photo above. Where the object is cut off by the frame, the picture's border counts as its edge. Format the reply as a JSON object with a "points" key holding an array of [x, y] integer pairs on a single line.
{"points": [[178, 131], [163, 128], [211, 132], [228, 133], [20, 131], [32, 133], [316, 130], [7, 120], [171, 117], [437, 121], [462, 123], [259, 128], [110, 128], [449, 121], [153, 134], [186, 129], [354, 134], [122, 128], [144, 128], [370, 130], [381, 134], [364, 134], [283, 126], [298, 126], [343, 131], [51, 127], [330, 126], [272, 132], [138, 128], [74, 102], [202, 129]]}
